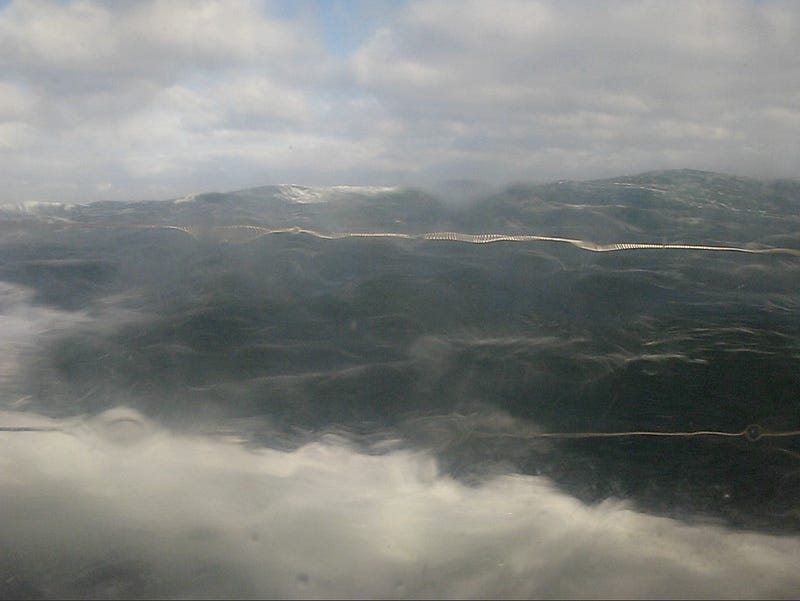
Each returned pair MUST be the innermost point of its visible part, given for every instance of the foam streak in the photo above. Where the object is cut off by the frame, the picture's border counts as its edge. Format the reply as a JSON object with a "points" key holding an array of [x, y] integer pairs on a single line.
{"points": [[246, 233]]}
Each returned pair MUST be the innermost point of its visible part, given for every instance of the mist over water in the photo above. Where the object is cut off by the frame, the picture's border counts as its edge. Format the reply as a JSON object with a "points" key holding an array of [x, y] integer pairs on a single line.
{"points": [[244, 395], [104, 513]]}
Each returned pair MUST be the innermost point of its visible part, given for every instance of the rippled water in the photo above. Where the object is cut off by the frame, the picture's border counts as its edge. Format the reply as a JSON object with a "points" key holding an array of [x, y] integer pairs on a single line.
{"points": [[243, 394]]}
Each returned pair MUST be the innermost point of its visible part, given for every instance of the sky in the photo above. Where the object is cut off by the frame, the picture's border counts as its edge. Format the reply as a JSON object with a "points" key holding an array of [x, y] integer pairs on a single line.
{"points": [[151, 100]]}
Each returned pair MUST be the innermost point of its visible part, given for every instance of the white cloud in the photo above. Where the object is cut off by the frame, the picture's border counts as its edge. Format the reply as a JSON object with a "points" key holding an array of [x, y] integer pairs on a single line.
{"points": [[116, 506], [150, 95], [681, 74], [15, 136], [15, 101], [381, 62], [154, 39], [253, 100], [143, 90]]}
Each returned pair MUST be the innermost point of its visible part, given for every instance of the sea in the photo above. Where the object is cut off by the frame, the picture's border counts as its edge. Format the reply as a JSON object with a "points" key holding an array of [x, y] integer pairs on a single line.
{"points": [[547, 390]]}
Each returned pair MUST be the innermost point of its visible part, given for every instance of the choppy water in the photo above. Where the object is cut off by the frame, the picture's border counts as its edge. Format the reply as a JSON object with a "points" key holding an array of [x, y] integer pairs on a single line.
{"points": [[243, 394]]}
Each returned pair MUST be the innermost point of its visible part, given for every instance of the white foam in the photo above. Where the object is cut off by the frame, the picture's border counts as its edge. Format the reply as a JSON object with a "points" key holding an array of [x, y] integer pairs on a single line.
{"points": [[188, 198], [23, 324], [310, 195], [156, 514], [35, 206]]}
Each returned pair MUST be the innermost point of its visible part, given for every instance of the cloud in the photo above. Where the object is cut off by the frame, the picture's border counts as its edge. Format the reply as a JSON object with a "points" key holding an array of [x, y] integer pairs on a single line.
{"points": [[165, 98], [531, 78], [115, 506], [92, 62], [140, 94], [153, 39]]}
